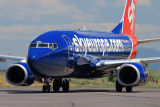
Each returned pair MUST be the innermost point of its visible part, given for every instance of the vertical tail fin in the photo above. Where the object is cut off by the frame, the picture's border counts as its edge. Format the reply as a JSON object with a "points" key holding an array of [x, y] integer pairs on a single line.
{"points": [[127, 24]]}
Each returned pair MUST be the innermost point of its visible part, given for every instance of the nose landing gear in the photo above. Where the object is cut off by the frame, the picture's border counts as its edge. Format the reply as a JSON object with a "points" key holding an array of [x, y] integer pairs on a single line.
{"points": [[47, 88]]}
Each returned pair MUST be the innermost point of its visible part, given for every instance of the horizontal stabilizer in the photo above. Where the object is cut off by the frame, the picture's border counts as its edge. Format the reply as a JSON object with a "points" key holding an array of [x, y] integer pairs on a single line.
{"points": [[148, 40], [150, 60]]}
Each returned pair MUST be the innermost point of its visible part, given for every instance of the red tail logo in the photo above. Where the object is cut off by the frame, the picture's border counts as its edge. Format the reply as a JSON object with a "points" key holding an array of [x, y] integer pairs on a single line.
{"points": [[129, 18]]}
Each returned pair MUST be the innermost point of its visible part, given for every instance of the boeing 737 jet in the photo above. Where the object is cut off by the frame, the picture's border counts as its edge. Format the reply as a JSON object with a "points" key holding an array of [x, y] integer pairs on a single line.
{"points": [[62, 54]]}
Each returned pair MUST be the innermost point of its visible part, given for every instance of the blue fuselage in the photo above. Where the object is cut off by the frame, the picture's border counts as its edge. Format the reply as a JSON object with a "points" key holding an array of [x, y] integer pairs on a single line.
{"points": [[75, 52]]}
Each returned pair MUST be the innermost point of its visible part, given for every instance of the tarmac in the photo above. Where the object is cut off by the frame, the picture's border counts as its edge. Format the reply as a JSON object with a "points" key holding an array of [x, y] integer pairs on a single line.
{"points": [[78, 97]]}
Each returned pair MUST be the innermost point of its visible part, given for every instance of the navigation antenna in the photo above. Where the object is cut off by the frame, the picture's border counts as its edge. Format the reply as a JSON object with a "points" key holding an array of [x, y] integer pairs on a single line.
{"points": [[84, 28]]}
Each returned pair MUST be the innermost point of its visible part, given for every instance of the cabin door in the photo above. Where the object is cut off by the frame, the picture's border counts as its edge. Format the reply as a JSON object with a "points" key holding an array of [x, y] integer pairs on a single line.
{"points": [[70, 47]]}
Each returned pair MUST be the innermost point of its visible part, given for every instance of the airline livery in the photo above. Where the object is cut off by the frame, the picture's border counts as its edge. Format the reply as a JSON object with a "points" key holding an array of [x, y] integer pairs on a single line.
{"points": [[59, 55]]}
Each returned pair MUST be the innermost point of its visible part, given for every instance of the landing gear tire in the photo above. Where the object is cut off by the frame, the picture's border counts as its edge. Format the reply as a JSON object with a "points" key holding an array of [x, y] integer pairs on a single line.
{"points": [[56, 85], [44, 89], [65, 85], [119, 87], [47, 89], [129, 89]]}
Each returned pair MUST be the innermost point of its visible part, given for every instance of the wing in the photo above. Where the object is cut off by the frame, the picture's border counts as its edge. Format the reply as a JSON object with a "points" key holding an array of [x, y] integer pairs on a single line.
{"points": [[113, 64], [100, 64], [4, 58]]}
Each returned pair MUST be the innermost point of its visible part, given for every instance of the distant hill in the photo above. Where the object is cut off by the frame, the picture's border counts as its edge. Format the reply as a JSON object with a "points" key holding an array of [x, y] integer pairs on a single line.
{"points": [[5, 65], [142, 52]]}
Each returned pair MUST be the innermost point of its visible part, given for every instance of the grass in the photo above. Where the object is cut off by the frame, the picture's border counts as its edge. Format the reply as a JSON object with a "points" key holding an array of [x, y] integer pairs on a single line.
{"points": [[94, 83], [98, 83], [4, 83], [73, 83]]}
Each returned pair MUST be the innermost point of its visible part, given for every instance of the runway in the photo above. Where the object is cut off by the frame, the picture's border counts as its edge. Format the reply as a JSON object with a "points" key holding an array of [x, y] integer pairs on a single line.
{"points": [[78, 97]]}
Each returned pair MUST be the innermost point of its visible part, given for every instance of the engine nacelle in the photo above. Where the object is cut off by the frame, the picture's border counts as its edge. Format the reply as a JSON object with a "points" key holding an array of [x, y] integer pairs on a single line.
{"points": [[19, 74], [132, 74]]}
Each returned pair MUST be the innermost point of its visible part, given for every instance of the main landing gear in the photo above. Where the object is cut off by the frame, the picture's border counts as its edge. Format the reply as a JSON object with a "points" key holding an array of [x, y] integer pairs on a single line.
{"points": [[119, 87], [57, 84]]}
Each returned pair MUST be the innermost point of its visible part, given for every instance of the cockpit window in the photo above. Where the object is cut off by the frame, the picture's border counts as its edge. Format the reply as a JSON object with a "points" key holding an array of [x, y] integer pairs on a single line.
{"points": [[52, 46], [33, 45], [55, 45], [43, 45]]}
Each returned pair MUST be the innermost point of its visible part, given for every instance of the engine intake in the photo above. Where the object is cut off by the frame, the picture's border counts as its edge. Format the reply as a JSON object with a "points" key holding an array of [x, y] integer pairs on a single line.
{"points": [[19, 74], [132, 74]]}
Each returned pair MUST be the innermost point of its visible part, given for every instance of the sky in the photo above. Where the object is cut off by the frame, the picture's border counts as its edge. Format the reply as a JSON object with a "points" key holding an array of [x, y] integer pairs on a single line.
{"points": [[23, 20]]}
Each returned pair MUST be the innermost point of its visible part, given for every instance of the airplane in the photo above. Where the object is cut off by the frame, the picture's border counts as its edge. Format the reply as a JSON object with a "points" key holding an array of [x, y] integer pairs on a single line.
{"points": [[62, 54]]}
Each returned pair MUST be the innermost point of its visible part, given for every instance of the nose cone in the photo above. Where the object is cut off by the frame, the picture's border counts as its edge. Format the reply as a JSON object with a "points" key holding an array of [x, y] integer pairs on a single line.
{"points": [[46, 62], [33, 55], [37, 59], [36, 54]]}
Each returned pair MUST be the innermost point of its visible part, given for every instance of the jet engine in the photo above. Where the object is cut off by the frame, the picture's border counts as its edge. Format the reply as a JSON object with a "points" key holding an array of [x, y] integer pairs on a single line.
{"points": [[132, 74], [19, 74]]}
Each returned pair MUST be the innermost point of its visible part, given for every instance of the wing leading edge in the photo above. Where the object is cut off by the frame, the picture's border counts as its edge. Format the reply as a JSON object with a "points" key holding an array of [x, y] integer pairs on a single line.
{"points": [[113, 64], [4, 58]]}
